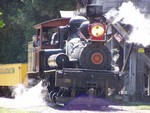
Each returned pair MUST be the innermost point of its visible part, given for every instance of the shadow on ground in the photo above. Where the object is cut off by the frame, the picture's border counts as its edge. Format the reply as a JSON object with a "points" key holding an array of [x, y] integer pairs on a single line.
{"points": [[91, 104]]}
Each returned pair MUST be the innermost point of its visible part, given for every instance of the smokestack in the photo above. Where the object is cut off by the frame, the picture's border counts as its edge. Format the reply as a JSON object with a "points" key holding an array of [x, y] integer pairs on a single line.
{"points": [[98, 2], [94, 8]]}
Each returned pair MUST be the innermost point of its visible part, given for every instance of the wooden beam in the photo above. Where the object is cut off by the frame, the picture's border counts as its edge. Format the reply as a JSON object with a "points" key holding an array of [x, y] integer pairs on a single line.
{"points": [[126, 59], [146, 60], [149, 83]]}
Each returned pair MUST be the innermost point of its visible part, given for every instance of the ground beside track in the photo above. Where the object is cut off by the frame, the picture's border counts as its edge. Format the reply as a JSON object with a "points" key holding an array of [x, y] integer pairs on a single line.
{"points": [[9, 106]]}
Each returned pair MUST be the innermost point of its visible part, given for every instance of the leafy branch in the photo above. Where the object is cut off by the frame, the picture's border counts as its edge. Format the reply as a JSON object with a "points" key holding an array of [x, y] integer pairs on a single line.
{"points": [[2, 24]]}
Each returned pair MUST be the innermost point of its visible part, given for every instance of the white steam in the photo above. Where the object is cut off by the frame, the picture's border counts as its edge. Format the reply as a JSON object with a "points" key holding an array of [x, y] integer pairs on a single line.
{"points": [[27, 97], [129, 14]]}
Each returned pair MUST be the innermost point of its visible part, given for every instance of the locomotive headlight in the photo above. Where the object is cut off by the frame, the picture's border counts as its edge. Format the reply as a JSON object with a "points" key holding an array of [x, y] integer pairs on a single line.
{"points": [[97, 30]]}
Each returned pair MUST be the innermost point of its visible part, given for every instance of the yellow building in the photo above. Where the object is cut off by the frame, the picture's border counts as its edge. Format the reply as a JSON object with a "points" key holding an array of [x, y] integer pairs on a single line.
{"points": [[13, 74]]}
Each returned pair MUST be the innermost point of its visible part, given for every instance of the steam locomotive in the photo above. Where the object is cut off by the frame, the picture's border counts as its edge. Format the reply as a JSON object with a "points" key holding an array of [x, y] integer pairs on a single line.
{"points": [[72, 57]]}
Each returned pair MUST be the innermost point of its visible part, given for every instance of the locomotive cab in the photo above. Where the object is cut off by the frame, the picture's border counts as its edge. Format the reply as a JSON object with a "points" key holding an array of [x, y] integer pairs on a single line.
{"points": [[46, 42]]}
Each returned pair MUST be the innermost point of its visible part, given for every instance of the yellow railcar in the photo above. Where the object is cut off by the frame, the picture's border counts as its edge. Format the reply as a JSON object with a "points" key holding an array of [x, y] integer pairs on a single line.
{"points": [[13, 74]]}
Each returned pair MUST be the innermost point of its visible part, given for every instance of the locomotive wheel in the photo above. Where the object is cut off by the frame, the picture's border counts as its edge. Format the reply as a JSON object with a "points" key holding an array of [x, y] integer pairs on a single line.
{"points": [[54, 97], [95, 57], [51, 94]]}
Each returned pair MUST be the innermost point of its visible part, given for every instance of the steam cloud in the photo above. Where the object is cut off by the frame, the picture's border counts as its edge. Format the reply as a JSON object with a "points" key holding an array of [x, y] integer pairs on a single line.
{"points": [[129, 14], [27, 97]]}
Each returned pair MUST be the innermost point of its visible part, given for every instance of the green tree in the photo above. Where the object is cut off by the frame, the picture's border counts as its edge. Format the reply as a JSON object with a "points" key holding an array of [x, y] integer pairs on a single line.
{"points": [[1, 22], [19, 17], [9, 34]]}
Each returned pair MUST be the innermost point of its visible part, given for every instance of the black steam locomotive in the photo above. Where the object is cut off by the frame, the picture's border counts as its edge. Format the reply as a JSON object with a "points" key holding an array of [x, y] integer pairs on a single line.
{"points": [[72, 57]]}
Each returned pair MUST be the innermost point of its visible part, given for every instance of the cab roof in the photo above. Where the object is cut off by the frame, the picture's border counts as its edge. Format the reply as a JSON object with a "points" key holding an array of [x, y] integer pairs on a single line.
{"points": [[53, 23]]}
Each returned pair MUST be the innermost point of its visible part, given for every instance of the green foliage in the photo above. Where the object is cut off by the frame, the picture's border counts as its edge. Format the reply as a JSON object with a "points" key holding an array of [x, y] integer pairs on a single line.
{"points": [[16, 20], [1, 22]]}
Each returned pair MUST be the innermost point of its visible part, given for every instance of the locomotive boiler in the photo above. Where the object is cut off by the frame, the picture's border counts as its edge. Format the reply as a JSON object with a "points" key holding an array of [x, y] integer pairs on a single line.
{"points": [[72, 57], [90, 52]]}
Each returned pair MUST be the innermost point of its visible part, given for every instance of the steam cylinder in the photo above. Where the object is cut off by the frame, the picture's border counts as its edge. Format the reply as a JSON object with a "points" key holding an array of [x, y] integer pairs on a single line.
{"points": [[60, 60]]}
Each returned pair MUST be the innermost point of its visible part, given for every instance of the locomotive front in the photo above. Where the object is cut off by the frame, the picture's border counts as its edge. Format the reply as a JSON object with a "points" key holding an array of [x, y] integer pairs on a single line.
{"points": [[88, 70], [88, 46], [74, 60]]}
